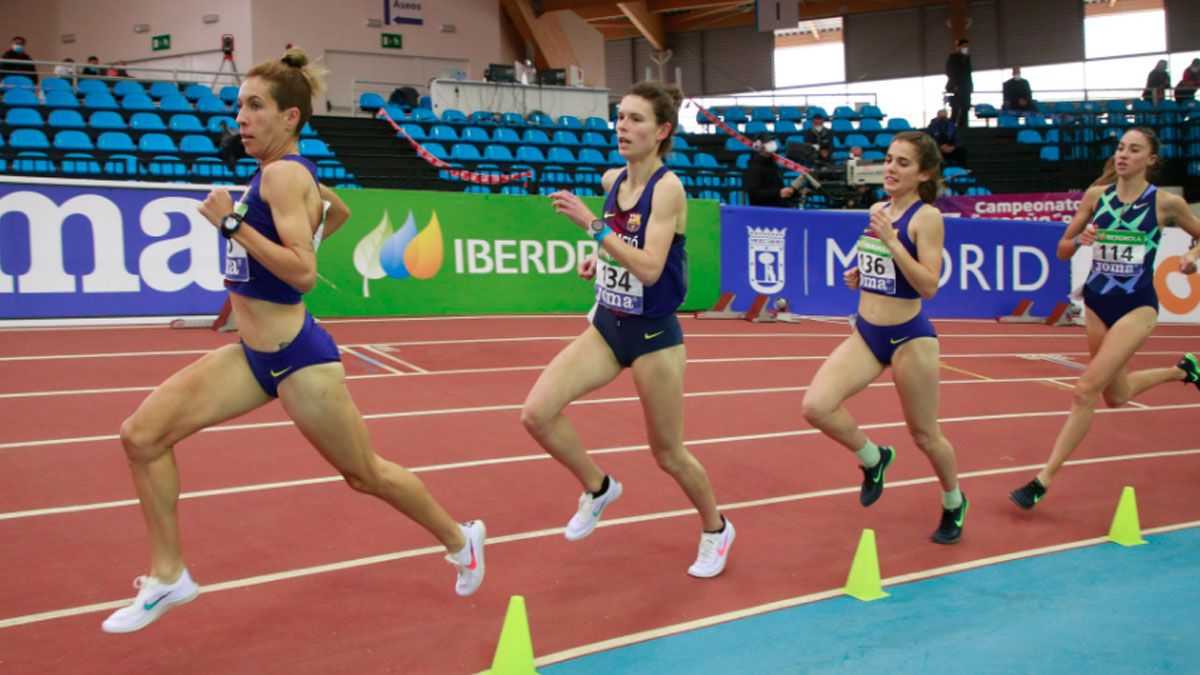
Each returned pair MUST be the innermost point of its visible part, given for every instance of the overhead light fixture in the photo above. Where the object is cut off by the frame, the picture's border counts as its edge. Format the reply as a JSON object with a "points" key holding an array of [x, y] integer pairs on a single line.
{"points": [[141, 28], [210, 18]]}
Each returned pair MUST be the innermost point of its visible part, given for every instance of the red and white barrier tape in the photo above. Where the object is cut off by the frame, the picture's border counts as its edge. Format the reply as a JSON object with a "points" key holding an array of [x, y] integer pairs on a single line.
{"points": [[779, 159], [461, 174]]}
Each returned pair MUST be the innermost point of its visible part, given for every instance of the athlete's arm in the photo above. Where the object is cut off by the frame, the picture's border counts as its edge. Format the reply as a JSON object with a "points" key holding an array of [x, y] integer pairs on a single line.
{"points": [[338, 212], [287, 188], [1176, 211], [1078, 226], [927, 230]]}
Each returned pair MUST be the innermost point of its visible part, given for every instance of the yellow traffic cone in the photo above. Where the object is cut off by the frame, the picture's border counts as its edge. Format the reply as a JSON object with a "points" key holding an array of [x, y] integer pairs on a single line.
{"points": [[1125, 529], [863, 582], [514, 654]]}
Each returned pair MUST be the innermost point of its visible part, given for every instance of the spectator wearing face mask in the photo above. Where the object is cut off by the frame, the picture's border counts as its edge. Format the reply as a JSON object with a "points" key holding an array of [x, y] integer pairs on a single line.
{"points": [[821, 138], [945, 134], [1018, 95], [959, 83], [66, 68], [16, 60], [762, 180]]}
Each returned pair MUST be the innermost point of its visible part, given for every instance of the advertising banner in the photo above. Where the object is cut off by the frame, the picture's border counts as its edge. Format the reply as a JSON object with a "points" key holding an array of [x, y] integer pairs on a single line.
{"points": [[453, 253], [1056, 207], [74, 249], [101, 249], [987, 266]]}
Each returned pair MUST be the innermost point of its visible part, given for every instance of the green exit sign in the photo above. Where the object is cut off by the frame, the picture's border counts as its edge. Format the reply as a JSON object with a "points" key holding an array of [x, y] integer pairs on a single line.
{"points": [[160, 42], [390, 40]]}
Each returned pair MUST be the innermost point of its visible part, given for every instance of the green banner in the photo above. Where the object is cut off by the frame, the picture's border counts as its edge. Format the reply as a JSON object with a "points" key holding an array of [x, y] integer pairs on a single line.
{"points": [[419, 253]]}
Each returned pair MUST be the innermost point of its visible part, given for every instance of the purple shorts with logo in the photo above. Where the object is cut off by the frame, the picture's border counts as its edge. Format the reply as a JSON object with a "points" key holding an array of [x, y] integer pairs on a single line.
{"points": [[885, 340], [311, 346]]}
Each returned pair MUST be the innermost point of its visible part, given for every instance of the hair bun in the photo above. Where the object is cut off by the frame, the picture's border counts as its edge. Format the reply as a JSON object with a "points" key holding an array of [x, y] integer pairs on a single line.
{"points": [[294, 57]]}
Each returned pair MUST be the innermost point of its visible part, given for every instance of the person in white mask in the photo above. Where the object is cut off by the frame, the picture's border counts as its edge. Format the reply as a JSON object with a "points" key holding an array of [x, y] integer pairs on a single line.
{"points": [[16, 61], [958, 82], [762, 180]]}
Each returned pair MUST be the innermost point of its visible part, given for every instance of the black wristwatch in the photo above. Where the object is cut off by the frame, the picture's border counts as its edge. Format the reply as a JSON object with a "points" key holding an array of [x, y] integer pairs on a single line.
{"points": [[230, 224], [595, 227]]}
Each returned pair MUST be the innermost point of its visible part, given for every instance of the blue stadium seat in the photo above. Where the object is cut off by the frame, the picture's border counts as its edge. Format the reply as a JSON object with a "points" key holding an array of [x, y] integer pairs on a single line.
{"points": [[898, 124], [755, 127], [452, 116], [197, 144], [465, 152], [422, 115], [371, 101], [314, 147], [615, 158], [245, 168], [814, 110], [162, 89], [734, 145], [31, 161], [762, 114], [156, 142], [211, 104], [23, 117], [100, 100], [21, 97], [536, 136], [126, 87], [330, 170], [783, 127], [497, 153], [705, 160], [505, 135], [436, 149], [512, 190], [1007, 121], [28, 139], [174, 103], [50, 84], [72, 139], [560, 155], [416, 131], [61, 99], [871, 112], [475, 135], [86, 86], [734, 115], [530, 154], [166, 166], [743, 161], [680, 142], [883, 140], [137, 102], [115, 141], [425, 102], [678, 159], [482, 117], [570, 122], [870, 124], [66, 119], [183, 122], [1029, 136], [210, 167], [841, 126], [307, 130], [596, 124], [147, 121], [591, 156], [79, 163], [442, 132], [540, 119], [873, 155], [196, 91], [563, 137], [513, 119], [1049, 153], [845, 112], [595, 139], [986, 111], [790, 113], [858, 139], [228, 94]]}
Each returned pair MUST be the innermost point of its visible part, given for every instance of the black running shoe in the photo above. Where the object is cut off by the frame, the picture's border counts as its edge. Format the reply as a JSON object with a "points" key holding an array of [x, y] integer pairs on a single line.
{"points": [[1029, 495], [872, 485], [1191, 369], [950, 531]]}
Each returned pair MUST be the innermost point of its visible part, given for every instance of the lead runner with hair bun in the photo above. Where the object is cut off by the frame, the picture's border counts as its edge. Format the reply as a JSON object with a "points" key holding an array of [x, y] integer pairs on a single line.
{"points": [[641, 280], [284, 354]]}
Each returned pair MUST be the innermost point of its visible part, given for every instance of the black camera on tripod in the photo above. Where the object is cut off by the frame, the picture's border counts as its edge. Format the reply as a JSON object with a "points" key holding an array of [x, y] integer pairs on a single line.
{"points": [[227, 45]]}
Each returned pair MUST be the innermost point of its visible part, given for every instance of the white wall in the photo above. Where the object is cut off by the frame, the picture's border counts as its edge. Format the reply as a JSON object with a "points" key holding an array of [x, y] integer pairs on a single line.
{"points": [[588, 45]]}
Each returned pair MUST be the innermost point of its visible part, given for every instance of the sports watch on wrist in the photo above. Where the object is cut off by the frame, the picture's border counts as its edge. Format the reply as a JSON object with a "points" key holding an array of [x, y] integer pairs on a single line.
{"points": [[596, 227], [230, 224]]}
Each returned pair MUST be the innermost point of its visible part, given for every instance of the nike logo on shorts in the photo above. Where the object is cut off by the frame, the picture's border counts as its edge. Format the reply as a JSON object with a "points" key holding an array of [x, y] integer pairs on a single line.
{"points": [[896, 342], [651, 336], [281, 373]]}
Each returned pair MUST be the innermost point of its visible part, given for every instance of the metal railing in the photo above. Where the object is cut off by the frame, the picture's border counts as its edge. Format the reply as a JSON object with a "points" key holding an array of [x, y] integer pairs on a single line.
{"points": [[143, 73]]}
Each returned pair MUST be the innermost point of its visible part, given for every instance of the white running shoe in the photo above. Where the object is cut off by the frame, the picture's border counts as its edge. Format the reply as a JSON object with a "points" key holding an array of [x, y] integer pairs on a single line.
{"points": [[590, 508], [714, 551], [153, 598], [469, 560]]}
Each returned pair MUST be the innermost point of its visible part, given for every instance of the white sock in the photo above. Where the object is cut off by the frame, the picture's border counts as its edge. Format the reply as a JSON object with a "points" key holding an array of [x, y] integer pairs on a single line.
{"points": [[869, 454], [953, 499]]}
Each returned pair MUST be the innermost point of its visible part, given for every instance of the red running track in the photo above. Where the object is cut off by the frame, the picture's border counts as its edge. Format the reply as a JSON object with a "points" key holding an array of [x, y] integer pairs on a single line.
{"points": [[304, 575]]}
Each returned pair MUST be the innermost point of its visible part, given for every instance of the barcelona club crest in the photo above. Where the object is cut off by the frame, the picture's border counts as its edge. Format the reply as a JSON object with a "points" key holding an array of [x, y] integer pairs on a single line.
{"points": [[634, 223], [766, 248]]}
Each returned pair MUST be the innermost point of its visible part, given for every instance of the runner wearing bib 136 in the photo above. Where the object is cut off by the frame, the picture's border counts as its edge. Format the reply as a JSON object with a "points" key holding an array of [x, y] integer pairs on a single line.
{"points": [[640, 281], [1122, 224], [899, 263]]}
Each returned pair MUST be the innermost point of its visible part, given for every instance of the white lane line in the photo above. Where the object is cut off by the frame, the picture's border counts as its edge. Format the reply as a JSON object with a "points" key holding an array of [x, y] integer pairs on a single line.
{"points": [[664, 631], [385, 352], [615, 522], [374, 362]]}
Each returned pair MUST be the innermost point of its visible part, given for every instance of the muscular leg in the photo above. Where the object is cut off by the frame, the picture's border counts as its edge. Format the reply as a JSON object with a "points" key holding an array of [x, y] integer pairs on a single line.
{"points": [[319, 403], [215, 388], [915, 369], [584, 366], [1111, 349], [659, 380], [847, 371]]}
